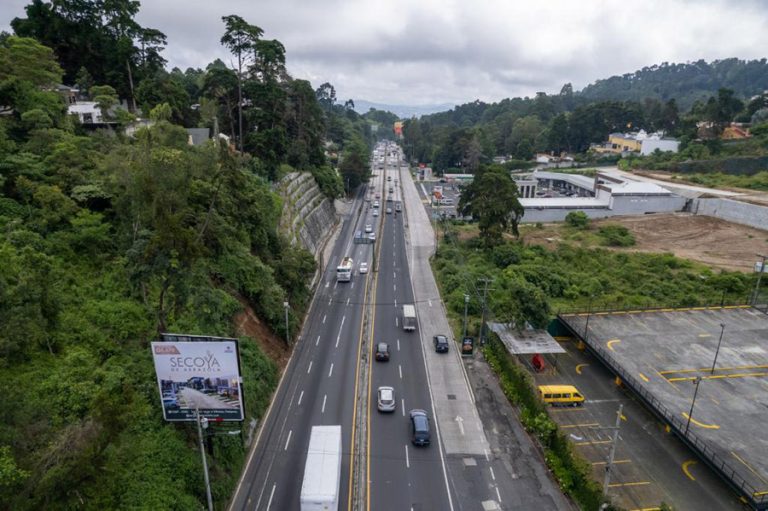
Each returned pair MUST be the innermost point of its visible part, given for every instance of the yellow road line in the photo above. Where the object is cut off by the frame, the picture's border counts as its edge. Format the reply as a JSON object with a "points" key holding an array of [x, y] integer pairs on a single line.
{"points": [[674, 371], [701, 424], [588, 425], [594, 442], [646, 509], [579, 366], [644, 377], [663, 378], [718, 376], [610, 343], [685, 466], [614, 462], [567, 409], [637, 483], [751, 469]]}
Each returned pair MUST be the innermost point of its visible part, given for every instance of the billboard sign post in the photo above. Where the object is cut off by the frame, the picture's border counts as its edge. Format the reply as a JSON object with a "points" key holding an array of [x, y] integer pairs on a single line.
{"points": [[198, 374]]}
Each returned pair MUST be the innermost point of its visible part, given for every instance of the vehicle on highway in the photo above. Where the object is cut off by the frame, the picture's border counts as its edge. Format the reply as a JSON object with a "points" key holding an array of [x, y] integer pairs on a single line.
{"points": [[372, 236], [368, 228], [322, 471], [344, 270], [378, 195], [389, 211], [382, 352], [419, 428], [398, 207], [409, 318], [363, 267], [441, 343], [389, 178], [376, 203], [391, 190], [561, 395], [386, 399], [375, 212]]}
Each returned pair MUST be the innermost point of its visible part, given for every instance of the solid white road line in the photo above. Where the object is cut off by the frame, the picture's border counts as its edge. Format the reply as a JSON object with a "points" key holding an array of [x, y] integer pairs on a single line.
{"points": [[310, 367], [322, 410], [271, 496], [288, 441], [407, 461], [300, 398], [331, 371]]}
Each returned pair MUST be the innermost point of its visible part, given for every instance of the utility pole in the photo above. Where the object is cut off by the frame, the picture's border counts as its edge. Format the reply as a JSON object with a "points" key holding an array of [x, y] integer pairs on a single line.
{"points": [[759, 276], [466, 302], [202, 422], [722, 329], [611, 454], [482, 319], [287, 332]]}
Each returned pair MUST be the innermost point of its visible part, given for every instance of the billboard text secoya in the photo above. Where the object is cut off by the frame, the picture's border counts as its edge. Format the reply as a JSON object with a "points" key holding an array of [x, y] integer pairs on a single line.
{"points": [[200, 375]]}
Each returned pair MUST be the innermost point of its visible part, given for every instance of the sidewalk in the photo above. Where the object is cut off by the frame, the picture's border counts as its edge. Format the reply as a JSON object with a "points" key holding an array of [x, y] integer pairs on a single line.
{"points": [[460, 426]]}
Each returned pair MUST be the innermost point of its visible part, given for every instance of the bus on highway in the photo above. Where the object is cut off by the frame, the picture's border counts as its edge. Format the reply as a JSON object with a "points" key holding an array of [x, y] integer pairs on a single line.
{"points": [[344, 270]]}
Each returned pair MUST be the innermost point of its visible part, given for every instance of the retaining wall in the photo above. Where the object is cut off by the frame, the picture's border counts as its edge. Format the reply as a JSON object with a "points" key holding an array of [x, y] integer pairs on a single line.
{"points": [[743, 213]]}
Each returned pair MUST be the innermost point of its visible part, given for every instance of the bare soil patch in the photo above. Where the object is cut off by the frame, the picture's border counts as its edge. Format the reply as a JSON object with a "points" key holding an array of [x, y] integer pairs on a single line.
{"points": [[247, 323], [704, 239]]}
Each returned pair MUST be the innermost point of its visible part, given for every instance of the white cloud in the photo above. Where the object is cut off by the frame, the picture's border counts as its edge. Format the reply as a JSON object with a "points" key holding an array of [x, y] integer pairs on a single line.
{"points": [[434, 51]]}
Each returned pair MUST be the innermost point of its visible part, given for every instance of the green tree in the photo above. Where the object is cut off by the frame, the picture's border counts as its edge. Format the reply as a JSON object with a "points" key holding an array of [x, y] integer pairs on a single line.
{"points": [[491, 199], [577, 219], [105, 98], [30, 61]]}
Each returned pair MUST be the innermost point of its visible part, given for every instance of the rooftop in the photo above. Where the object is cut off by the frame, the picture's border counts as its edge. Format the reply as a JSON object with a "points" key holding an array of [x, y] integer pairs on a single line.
{"points": [[565, 202], [585, 182]]}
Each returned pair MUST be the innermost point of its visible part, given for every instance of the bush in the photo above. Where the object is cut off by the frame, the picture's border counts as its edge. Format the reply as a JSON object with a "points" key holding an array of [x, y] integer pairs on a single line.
{"points": [[616, 236], [577, 219]]}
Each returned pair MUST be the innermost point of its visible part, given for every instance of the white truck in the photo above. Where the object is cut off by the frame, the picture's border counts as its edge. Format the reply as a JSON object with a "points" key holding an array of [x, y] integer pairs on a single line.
{"points": [[344, 270], [409, 318], [322, 472]]}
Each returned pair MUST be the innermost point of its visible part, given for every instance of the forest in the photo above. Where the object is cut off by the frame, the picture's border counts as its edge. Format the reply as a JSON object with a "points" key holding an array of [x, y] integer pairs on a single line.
{"points": [[659, 98], [113, 233]]}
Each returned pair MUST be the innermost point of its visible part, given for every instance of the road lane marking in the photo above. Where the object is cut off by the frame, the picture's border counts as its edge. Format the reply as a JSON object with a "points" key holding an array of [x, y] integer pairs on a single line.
{"points": [[637, 483], [407, 461], [493, 476], [400, 370], [749, 467], [395, 288], [644, 377], [610, 343], [498, 494], [487, 458], [615, 462], [317, 342], [331, 370], [330, 300], [300, 397], [327, 284], [352, 286], [687, 464], [395, 303], [594, 442], [430, 302], [402, 404], [310, 367], [347, 301], [586, 425], [322, 410], [579, 366], [271, 496], [325, 316], [460, 422], [288, 441], [335, 284], [398, 345]]}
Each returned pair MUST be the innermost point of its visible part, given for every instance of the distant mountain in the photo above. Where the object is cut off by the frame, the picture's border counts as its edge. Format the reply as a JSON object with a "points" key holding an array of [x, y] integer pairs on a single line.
{"points": [[402, 111], [685, 83]]}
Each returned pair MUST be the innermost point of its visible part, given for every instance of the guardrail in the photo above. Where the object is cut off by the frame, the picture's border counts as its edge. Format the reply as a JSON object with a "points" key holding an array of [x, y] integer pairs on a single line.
{"points": [[758, 499]]}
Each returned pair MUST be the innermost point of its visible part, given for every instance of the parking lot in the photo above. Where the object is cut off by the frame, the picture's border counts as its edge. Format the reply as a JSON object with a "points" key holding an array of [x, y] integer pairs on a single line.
{"points": [[670, 353], [449, 191]]}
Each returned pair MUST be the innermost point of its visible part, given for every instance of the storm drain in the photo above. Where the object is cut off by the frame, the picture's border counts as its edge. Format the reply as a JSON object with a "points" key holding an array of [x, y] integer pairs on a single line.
{"points": [[452, 397]]}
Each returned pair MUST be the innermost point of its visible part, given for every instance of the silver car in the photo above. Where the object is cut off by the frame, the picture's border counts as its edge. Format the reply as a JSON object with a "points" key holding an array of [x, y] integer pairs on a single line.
{"points": [[386, 399]]}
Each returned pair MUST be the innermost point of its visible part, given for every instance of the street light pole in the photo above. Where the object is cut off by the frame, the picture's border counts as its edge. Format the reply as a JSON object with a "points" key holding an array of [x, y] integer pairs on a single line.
{"points": [[589, 312], [611, 455], [466, 302], [287, 331], [696, 382], [201, 423], [759, 276], [722, 329]]}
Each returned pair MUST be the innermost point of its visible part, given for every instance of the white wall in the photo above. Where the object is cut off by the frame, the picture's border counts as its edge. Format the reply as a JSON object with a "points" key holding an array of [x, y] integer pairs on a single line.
{"points": [[650, 145]]}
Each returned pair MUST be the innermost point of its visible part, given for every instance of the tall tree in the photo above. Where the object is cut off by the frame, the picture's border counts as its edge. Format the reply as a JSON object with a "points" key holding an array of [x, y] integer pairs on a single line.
{"points": [[491, 199], [240, 38]]}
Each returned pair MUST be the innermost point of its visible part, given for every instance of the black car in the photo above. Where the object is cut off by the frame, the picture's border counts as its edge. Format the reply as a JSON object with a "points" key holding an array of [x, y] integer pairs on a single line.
{"points": [[382, 352], [441, 343], [419, 428]]}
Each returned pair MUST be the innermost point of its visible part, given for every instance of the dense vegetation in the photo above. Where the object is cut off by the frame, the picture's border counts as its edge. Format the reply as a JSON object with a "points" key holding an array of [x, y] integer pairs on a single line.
{"points": [[473, 133], [107, 239]]}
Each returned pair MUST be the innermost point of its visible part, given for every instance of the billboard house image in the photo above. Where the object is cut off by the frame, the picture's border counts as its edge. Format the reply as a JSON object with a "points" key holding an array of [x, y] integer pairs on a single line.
{"points": [[201, 374]]}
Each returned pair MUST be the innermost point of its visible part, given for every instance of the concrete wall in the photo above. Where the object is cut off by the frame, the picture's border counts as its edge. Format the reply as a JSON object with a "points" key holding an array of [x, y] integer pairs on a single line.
{"points": [[733, 211], [619, 205], [308, 216], [651, 144], [547, 215]]}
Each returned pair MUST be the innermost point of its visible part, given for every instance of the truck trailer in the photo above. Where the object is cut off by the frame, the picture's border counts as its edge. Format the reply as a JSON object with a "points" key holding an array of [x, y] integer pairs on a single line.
{"points": [[322, 471], [409, 318]]}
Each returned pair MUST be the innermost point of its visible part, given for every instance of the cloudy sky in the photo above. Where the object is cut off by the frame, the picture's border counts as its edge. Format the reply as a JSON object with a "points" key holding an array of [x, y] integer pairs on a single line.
{"points": [[453, 51]]}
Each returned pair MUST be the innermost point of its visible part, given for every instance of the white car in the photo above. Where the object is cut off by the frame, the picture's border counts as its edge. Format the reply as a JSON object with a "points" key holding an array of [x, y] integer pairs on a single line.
{"points": [[375, 212], [372, 236], [363, 268], [368, 228], [386, 399], [375, 204]]}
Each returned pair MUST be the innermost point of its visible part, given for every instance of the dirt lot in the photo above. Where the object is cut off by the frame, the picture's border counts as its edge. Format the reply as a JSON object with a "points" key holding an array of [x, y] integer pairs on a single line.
{"points": [[710, 241]]}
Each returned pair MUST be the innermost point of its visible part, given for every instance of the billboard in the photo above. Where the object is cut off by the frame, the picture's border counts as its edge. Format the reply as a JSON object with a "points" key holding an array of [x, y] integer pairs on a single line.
{"points": [[398, 128], [198, 373]]}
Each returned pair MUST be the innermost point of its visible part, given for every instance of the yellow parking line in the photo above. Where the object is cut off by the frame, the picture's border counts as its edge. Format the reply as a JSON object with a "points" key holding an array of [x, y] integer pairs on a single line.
{"points": [[646, 509], [701, 424], [610, 343], [579, 366], [673, 371], [644, 377], [567, 409], [705, 335], [718, 376], [594, 442], [588, 425], [637, 483], [685, 466], [751, 469], [614, 462]]}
